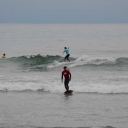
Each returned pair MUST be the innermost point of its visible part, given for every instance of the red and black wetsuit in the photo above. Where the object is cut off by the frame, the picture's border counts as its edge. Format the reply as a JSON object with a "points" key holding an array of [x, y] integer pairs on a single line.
{"points": [[67, 76]]}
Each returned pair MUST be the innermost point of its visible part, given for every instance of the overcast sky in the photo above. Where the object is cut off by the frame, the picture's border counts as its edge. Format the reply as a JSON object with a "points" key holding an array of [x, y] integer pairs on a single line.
{"points": [[63, 11]]}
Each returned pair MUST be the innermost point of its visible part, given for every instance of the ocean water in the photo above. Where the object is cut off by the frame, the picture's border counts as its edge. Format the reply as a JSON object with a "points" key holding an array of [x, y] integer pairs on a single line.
{"points": [[31, 92]]}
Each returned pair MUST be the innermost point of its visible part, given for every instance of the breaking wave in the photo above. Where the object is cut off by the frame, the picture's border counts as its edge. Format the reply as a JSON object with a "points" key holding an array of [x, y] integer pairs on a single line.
{"points": [[44, 63], [89, 61]]}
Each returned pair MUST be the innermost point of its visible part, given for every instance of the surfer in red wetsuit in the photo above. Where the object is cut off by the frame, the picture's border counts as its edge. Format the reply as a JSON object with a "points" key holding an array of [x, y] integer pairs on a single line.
{"points": [[66, 73]]}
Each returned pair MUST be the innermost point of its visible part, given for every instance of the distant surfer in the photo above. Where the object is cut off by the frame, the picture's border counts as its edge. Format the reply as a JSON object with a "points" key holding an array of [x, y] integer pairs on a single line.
{"points": [[67, 53], [66, 73], [4, 56]]}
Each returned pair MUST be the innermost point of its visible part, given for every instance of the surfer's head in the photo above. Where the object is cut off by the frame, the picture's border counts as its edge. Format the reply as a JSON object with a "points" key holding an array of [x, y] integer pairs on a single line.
{"points": [[65, 47], [64, 67]]}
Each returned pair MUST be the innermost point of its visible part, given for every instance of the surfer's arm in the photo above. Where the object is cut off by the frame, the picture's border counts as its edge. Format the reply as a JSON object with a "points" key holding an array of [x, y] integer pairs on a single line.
{"points": [[64, 51], [62, 77], [70, 75]]}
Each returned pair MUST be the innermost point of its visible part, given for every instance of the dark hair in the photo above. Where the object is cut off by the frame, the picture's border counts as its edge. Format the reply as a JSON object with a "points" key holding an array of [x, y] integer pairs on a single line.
{"points": [[64, 67], [65, 47]]}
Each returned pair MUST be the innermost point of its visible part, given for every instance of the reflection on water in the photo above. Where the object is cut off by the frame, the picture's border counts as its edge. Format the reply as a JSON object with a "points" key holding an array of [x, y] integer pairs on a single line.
{"points": [[68, 95]]}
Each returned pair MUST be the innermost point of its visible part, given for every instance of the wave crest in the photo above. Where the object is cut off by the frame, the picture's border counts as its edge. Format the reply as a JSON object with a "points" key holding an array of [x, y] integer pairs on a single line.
{"points": [[89, 61], [43, 63]]}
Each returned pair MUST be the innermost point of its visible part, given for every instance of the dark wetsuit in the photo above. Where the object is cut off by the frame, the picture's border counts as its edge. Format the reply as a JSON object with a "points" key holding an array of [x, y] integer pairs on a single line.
{"points": [[67, 76], [66, 57]]}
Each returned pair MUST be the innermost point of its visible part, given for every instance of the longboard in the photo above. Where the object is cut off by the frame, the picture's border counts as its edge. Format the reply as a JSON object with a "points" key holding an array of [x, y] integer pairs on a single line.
{"points": [[68, 92]]}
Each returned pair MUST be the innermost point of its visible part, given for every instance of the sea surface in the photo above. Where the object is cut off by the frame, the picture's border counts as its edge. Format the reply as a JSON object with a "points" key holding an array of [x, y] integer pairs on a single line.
{"points": [[31, 91]]}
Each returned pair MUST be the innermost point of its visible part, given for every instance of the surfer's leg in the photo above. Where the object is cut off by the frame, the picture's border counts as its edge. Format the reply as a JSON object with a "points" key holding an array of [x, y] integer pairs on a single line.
{"points": [[67, 57], [66, 84]]}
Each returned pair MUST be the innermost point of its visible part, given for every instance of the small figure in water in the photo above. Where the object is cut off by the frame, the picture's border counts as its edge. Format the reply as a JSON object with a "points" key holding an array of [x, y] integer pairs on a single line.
{"points": [[67, 54], [4, 56], [66, 73]]}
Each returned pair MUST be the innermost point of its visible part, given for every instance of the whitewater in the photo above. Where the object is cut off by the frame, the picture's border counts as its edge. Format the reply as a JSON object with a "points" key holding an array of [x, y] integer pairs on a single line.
{"points": [[31, 91], [46, 80]]}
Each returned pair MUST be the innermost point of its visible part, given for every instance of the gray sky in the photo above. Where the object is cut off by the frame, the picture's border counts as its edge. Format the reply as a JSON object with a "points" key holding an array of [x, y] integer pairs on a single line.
{"points": [[63, 11]]}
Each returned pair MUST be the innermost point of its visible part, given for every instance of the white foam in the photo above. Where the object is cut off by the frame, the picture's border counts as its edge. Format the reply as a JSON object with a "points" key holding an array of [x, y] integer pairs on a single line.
{"points": [[54, 85], [57, 64], [22, 83], [85, 60], [100, 88]]}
